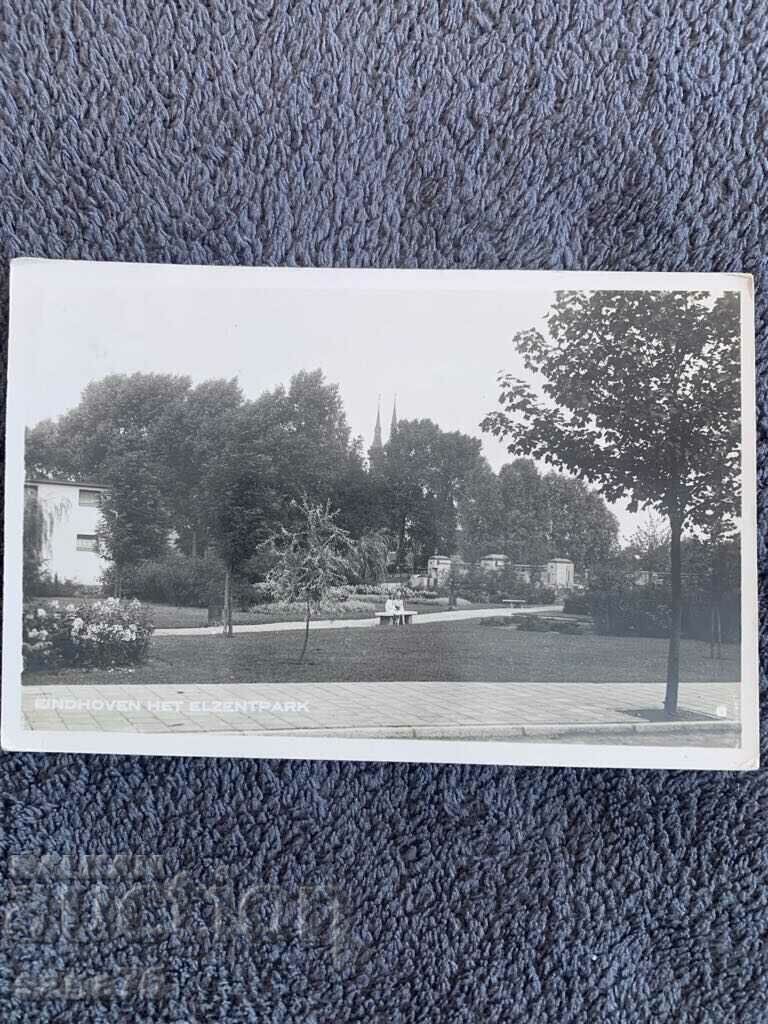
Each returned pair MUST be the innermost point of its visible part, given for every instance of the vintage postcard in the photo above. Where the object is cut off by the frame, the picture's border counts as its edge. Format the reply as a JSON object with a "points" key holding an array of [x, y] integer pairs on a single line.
{"points": [[452, 516]]}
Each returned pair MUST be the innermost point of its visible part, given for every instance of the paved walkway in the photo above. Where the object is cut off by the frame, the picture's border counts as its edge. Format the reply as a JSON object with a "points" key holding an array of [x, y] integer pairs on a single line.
{"points": [[433, 710], [422, 619]]}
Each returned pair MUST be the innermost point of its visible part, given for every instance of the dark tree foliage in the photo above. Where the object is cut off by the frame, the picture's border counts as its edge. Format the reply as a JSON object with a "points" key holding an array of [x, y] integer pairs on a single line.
{"points": [[532, 517], [525, 524], [426, 471], [135, 524]]}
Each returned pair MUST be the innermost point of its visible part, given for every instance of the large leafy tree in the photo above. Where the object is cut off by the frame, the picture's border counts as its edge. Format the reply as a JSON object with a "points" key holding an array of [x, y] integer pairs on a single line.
{"points": [[526, 513], [639, 397], [44, 455], [118, 435], [579, 525], [134, 519], [480, 516], [190, 438], [244, 503], [206, 465], [427, 471], [176, 431], [306, 430], [116, 415]]}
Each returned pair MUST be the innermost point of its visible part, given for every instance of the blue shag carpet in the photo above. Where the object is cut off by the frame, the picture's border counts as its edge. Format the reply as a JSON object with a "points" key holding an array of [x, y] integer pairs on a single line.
{"points": [[414, 133]]}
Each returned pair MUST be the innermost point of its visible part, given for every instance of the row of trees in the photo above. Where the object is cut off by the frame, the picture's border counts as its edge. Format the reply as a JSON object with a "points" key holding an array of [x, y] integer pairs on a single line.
{"points": [[532, 517], [213, 470], [199, 462]]}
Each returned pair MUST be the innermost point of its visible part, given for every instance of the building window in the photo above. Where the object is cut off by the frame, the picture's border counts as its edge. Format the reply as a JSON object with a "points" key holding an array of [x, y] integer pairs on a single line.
{"points": [[90, 499], [87, 542]]}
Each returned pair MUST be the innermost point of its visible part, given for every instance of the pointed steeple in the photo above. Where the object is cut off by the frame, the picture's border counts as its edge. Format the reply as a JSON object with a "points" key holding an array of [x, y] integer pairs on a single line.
{"points": [[377, 429], [393, 424], [376, 451]]}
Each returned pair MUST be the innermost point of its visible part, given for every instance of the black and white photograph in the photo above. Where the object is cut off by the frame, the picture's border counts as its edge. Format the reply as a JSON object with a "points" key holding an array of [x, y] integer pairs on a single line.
{"points": [[470, 516]]}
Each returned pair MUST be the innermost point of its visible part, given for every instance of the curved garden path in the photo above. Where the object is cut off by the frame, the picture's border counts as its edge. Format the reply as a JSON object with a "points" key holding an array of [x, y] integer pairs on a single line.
{"points": [[422, 619]]}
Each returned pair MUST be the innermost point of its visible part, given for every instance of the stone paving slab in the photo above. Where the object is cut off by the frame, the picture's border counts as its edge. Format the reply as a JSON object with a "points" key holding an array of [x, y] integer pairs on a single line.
{"points": [[422, 619], [429, 710]]}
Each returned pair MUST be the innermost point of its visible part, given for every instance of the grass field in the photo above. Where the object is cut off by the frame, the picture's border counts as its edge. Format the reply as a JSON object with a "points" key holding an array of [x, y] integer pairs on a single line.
{"points": [[451, 651]]}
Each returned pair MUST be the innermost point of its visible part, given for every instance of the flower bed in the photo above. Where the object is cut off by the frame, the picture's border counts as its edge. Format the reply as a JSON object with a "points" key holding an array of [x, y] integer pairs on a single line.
{"points": [[103, 634]]}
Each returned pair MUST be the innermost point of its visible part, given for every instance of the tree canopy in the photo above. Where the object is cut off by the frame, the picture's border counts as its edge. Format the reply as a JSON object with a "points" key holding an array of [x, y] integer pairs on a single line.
{"points": [[532, 517], [204, 465], [425, 471], [638, 394]]}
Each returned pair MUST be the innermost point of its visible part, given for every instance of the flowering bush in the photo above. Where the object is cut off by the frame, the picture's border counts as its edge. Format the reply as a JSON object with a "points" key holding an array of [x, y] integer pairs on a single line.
{"points": [[98, 635], [330, 608], [385, 590]]}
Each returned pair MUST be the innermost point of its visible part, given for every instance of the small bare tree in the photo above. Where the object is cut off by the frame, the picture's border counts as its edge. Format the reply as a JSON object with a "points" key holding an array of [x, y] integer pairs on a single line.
{"points": [[312, 560]]}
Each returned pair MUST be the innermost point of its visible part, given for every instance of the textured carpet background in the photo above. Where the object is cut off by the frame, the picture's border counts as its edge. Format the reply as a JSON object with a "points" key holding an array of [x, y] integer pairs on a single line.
{"points": [[534, 134]]}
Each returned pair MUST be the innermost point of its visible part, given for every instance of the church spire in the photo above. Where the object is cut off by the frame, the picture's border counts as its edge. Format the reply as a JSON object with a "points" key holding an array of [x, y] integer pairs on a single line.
{"points": [[376, 451], [377, 429], [393, 425]]}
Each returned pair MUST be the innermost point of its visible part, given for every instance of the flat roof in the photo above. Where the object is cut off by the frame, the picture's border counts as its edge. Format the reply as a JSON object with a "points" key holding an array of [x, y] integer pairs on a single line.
{"points": [[68, 483]]}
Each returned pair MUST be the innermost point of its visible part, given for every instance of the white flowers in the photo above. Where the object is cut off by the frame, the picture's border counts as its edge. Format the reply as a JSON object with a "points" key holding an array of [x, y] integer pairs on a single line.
{"points": [[104, 632], [98, 634]]}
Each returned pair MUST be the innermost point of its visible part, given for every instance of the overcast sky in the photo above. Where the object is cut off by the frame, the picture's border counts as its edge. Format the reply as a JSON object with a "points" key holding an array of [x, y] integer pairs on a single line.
{"points": [[439, 351]]}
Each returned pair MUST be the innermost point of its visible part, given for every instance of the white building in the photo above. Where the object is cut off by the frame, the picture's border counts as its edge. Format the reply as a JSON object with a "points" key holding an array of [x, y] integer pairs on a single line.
{"points": [[438, 570], [557, 573], [560, 574], [71, 514]]}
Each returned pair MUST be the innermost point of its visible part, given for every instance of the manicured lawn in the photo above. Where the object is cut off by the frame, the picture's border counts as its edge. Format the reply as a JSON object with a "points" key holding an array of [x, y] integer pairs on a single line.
{"points": [[451, 651]]}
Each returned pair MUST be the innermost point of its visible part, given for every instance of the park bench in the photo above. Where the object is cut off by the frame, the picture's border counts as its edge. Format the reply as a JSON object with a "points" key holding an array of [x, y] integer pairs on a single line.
{"points": [[514, 602], [386, 618]]}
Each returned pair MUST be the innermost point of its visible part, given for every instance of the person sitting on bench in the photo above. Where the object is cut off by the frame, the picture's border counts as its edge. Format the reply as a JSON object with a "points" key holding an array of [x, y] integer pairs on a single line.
{"points": [[399, 609], [390, 609]]}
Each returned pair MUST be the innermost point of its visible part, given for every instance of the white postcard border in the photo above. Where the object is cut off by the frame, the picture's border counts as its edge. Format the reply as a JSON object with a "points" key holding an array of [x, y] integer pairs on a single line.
{"points": [[14, 737]]}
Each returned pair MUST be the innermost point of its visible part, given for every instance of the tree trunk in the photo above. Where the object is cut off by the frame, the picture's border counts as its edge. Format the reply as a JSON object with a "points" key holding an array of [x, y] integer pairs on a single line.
{"points": [[676, 600], [716, 595], [193, 546], [401, 544], [306, 633], [718, 633], [712, 629], [227, 616]]}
